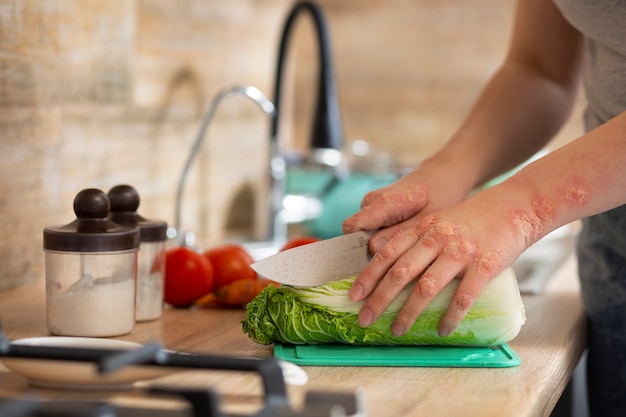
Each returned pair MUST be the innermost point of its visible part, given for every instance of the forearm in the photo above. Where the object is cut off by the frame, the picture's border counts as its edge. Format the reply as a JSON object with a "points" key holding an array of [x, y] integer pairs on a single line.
{"points": [[583, 178], [527, 100], [517, 114]]}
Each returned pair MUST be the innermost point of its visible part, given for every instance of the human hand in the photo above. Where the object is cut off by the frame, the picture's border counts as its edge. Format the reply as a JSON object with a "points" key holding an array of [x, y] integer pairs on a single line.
{"points": [[431, 187], [474, 240]]}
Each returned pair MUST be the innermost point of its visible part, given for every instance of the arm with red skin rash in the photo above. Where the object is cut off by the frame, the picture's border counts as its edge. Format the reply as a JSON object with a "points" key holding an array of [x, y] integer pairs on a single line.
{"points": [[480, 236], [429, 230], [521, 108]]}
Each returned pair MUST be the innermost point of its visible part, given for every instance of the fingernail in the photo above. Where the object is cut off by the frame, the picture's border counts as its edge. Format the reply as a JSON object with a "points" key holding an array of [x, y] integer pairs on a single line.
{"points": [[347, 226], [397, 329], [356, 292], [365, 317], [444, 331], [378, 243]]}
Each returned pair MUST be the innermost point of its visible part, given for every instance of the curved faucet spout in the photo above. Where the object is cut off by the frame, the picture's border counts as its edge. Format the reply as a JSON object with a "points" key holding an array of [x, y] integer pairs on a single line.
{"points": [[252, 93]]}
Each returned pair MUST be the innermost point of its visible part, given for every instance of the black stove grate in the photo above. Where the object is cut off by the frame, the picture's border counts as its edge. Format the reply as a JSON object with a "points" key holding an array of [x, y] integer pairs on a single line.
{"points": [[202, 402]]}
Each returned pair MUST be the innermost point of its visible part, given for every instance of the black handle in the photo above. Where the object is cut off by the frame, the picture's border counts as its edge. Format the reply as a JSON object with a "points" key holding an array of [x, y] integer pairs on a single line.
{"points": [[327, 130]]}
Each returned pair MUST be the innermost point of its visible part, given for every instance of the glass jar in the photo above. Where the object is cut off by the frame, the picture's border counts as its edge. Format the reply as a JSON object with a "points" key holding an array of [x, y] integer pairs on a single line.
{"points": [[91, 271], [151, 263]]}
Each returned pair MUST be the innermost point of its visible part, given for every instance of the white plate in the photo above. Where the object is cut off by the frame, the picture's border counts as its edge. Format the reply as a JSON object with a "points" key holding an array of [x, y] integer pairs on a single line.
{"points": [[293, 374], [75, 374]]}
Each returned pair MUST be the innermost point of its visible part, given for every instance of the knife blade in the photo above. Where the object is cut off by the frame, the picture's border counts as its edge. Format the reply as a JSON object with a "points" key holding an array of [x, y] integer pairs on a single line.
{"points": [[318, 263]]}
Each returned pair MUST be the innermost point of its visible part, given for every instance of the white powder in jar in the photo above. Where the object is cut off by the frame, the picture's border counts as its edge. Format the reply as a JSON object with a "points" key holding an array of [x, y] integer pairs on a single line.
{"points": [[149, 296], [93, 308]]}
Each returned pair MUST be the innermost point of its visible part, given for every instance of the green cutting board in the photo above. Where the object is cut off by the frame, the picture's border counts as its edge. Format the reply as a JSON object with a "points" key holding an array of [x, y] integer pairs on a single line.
{"points": [[501, 356]]}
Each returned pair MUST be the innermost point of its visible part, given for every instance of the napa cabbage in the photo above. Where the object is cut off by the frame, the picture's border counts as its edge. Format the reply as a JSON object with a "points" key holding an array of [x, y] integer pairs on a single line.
{"points": [[325, 314]]}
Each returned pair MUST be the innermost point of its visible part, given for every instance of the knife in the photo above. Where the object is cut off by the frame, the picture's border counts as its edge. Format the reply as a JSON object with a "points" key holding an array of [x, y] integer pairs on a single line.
{"points": [[317, 263]]}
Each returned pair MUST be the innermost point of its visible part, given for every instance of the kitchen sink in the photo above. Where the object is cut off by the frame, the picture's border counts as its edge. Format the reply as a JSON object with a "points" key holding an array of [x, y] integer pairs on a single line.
{"points": [[262, 249]]}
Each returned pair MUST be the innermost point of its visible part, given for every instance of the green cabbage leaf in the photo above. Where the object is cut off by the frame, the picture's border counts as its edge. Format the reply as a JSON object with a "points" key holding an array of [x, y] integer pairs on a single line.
{"points": [[325, 314]]}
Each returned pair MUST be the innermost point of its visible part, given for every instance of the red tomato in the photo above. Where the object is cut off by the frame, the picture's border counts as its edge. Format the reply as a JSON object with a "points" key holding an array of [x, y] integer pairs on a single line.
{"points": [[299, 241], [231, 263], [188, 276]]}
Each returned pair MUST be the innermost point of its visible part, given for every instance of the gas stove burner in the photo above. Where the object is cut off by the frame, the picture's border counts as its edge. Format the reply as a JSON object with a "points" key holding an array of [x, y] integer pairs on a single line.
{"points": [[201, 402]]}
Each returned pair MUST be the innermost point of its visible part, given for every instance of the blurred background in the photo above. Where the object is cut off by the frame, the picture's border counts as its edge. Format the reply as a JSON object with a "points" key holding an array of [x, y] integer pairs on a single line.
{"points": [[98, 93]]}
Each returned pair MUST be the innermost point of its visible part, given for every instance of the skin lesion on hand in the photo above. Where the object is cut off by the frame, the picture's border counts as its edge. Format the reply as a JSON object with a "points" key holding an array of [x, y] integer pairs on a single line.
{"points": [[427, 286], [490, 264], [460, 250]]}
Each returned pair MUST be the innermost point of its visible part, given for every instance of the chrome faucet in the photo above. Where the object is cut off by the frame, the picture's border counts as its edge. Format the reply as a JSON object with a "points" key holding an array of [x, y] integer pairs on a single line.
{"points": [[253, 93], [325, 144]]}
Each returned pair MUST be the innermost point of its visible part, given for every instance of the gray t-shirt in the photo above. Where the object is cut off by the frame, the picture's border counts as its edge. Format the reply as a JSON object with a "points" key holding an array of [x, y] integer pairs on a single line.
{"points": [[603, 22], [601, 245]]}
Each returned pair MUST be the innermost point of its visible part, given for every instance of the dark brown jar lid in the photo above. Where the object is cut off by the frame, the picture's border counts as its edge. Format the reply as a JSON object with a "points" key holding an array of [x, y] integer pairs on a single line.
{"points": [[91, 231], [124, 204]]}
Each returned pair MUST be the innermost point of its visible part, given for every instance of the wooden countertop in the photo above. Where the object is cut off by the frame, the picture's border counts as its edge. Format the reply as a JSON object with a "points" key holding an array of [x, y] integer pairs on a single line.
{"points": [[549, 345]]}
